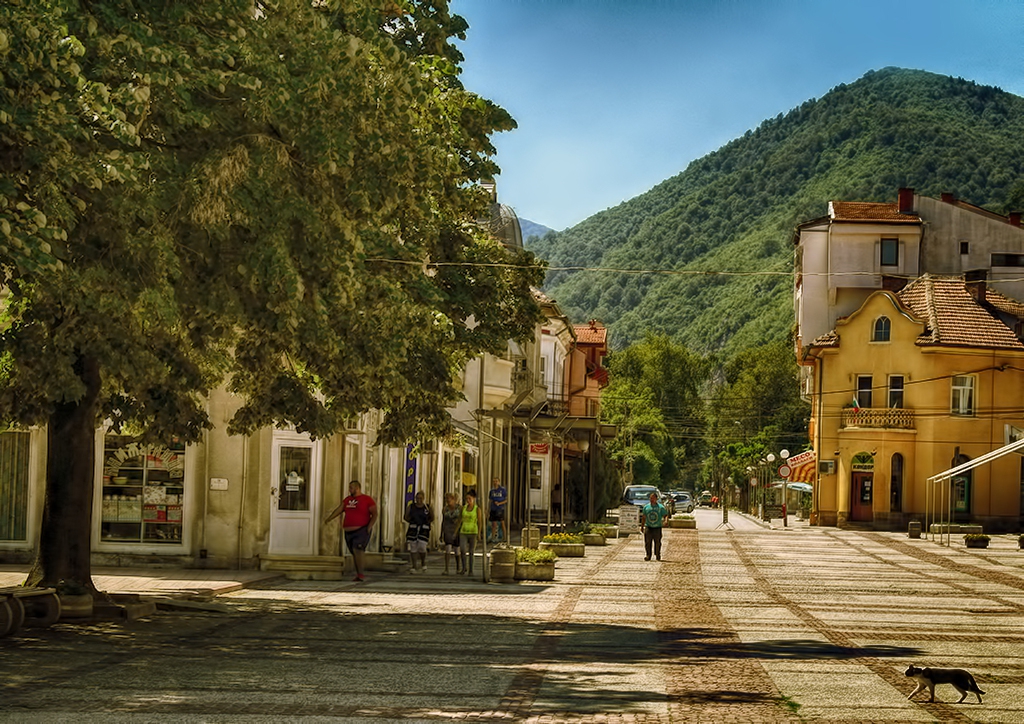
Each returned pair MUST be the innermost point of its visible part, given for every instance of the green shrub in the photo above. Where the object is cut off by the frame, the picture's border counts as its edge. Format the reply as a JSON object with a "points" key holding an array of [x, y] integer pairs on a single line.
{"points": [[977, 536], [532, 555], [562, 538]]}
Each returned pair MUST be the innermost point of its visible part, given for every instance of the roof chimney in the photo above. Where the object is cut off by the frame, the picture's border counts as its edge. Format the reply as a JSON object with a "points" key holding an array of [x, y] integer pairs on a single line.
{"points": [[1014, 219], [947, 198], [974, 280], [906, 201]]}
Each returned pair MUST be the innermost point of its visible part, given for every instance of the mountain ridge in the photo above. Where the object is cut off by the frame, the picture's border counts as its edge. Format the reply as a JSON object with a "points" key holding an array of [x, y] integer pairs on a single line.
{"points": [[705, 255]]}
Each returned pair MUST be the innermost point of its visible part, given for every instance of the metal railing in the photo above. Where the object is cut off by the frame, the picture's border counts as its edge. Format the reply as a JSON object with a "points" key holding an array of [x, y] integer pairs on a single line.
{"points": [[879, 417]]}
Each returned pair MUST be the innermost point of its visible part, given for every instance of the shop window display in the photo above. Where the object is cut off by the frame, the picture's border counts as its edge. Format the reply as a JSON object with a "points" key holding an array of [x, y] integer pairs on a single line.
{"points": [[143, 491]]}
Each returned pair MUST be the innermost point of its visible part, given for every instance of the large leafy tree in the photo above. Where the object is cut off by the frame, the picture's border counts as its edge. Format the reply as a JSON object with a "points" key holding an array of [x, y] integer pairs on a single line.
{"points": [[755, 410], [276, 196], [654, 399]]}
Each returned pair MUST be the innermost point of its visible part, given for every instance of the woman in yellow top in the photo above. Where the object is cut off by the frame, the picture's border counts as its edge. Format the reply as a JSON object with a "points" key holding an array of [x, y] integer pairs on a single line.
{"points": [[472, 528]]}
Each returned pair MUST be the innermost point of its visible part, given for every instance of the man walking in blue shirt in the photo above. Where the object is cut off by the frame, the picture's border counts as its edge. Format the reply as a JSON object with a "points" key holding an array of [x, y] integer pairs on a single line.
{"points": [[652, 516]]}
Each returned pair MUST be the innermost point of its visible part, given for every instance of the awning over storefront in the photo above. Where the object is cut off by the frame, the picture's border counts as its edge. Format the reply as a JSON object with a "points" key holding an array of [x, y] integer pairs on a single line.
{"points": [[803, 467]]}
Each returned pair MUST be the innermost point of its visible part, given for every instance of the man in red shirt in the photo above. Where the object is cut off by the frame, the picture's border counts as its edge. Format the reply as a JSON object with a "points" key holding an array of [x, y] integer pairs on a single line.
{"points": [[358, 514]]}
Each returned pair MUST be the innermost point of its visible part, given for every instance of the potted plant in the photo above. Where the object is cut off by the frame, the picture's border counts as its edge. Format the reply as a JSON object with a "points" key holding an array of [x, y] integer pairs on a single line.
{"points": [[976, 540], [592, 534], [564, 545], [535, 565], [682, 520]]}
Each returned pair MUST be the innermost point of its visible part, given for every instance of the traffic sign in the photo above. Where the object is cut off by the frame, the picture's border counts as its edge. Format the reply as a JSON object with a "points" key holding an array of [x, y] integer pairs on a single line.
{"points": [[784, 471]]}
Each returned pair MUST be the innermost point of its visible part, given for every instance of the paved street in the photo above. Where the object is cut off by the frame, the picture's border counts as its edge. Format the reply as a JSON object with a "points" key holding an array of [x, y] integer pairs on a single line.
{"points": [[742, 625]]}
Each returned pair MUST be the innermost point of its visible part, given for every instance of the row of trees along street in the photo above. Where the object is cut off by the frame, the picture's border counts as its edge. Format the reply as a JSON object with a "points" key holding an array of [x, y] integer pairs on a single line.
{"points": [[275, 196], [686, 419]]}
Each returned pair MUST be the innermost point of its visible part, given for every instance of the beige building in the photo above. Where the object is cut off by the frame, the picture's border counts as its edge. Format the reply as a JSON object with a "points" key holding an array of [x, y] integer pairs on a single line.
{"points": [[909, 385]]}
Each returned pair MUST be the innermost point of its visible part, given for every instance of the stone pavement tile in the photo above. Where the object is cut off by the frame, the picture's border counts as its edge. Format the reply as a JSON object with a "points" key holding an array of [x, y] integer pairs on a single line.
{"points": [[831, 690]]}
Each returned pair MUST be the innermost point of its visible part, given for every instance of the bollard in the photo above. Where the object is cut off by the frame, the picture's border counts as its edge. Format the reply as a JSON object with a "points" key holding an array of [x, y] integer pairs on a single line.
{"points": [[914, 529]]}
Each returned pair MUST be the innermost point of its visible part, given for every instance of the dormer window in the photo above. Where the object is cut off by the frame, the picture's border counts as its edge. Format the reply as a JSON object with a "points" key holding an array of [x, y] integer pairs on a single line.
{"points": [[881, 330], [890, 252]]}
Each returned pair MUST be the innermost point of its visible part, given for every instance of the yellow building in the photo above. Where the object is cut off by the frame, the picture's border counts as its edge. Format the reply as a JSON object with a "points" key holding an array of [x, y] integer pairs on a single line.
{"points": [[909, 385]]}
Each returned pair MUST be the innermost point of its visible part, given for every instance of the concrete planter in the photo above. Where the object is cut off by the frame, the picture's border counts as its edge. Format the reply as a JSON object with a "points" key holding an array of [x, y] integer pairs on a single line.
{"points": [[535, 571], [682, 523], [593, 539], [503, 564], [565, 550], [976, 543], [530, 537]]}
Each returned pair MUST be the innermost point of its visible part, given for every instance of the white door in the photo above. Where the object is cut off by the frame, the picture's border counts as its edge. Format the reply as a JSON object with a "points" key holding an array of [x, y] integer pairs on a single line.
{"points": [[295, 495], [538, 499]]}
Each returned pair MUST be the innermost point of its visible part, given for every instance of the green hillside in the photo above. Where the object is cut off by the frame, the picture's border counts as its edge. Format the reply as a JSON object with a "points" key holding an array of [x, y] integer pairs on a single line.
{"points": [[735, 210]]}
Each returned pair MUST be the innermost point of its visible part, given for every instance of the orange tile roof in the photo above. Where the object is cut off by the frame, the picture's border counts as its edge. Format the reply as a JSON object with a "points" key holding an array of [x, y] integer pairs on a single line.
{"points": [[870, 211], [590, 334], [952, 316]]}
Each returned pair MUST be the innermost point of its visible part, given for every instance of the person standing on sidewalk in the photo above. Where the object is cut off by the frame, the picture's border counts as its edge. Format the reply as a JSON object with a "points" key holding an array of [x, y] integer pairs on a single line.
{"points": [[418, 516], [472, 529], [451, 523], [652, 516], [498, 498], [358, 514]]}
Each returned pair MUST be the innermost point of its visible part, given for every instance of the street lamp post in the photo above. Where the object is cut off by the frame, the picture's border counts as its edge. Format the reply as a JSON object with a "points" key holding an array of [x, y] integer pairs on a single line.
{"points": [[785, 492], [764, 496]]}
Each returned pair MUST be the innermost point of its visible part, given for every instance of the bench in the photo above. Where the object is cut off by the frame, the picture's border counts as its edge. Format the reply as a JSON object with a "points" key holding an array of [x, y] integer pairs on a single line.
{"points": [[31, 606]]}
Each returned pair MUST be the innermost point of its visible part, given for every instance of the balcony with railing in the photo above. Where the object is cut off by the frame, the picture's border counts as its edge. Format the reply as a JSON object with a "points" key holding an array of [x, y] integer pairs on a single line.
{"points": [[895, 418]]}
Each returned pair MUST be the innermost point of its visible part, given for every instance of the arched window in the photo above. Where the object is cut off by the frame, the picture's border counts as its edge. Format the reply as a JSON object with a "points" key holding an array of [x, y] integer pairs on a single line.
{"points": [[896, 483], [882, 327]]}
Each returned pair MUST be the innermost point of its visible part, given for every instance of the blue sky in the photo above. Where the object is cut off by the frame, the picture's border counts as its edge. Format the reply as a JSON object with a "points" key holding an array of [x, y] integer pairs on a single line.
{"points": [[614, 96]]}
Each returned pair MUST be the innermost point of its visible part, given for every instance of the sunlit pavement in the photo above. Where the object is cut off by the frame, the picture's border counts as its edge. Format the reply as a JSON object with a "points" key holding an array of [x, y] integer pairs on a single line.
{"points": [[736, 624]]}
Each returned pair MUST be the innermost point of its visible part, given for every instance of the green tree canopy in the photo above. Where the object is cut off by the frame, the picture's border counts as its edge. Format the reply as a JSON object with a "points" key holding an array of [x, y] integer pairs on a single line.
{"points": [[276, 195], [654, 399]]}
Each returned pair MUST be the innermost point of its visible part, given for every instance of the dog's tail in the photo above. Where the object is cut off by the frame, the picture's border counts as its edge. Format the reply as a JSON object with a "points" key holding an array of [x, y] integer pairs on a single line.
{"points": [[974, 685]]}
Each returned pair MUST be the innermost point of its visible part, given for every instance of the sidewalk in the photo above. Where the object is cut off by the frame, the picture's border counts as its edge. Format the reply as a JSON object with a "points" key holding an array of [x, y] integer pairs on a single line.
{"points": [[159, 581]]}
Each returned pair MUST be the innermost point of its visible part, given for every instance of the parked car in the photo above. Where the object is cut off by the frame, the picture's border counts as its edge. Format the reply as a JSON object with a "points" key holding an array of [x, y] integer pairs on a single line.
{"points": [[639, 494], [684, 502]]}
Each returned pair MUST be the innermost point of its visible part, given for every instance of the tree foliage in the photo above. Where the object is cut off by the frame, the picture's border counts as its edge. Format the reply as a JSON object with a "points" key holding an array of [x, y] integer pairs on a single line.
{"points": [[735, 209], [654, 398], [274, 195], [756, 409]]}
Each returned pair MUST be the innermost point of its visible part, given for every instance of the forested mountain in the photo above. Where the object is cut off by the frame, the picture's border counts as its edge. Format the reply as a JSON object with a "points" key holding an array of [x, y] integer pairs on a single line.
{"points": [[734, 211], [532, 228]]}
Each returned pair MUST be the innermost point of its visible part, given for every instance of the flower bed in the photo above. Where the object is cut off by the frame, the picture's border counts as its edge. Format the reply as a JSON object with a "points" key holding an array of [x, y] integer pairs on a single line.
{"points": [[534, 565], [565, 550], [976, 540], [562, 538]]}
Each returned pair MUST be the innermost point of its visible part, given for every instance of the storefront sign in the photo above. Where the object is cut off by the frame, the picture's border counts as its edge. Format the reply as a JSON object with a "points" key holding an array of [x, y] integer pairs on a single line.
{"points": [[539, 448], [863, 463], [629, 519]]}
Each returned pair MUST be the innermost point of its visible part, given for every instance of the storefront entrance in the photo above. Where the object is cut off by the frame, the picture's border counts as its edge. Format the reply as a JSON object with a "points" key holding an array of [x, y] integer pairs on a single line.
{"points": [[860, 489], [295, 493], [862, 478]]}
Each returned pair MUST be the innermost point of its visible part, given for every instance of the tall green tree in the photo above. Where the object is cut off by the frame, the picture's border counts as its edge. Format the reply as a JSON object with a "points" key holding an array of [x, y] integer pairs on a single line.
{"points": [[756, 409], [654, 399], [277, 196]]}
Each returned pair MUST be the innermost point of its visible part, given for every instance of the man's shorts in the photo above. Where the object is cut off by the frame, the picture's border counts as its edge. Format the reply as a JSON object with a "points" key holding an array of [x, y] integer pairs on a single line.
{"points": [[357, 539], [417, 546], [496, 515]]}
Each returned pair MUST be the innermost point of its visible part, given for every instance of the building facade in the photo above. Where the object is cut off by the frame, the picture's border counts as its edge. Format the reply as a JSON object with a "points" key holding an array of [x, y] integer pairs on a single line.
{"points": [[909, 385]]}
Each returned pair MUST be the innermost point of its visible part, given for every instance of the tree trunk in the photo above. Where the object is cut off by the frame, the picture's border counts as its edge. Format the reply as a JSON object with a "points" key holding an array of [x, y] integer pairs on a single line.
{"points": [[65, 541]]}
